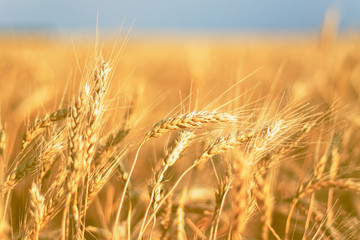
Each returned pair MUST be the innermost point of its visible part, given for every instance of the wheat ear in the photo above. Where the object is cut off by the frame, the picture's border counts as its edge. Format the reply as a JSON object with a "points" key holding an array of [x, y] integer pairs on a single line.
{"points": [[220, 145], [183, 141], [185, 121], [32, 165], [41, 124], [189, 121], [100, 82], [37, 211], [74, 164]]}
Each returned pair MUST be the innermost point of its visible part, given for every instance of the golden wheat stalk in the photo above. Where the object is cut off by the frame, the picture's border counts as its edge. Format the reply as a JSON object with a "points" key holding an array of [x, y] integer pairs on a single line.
{"points": [[340, 184], [180, 217], [100, 82], [322, 227], [2, 141], [240, 201], [220, 196]]}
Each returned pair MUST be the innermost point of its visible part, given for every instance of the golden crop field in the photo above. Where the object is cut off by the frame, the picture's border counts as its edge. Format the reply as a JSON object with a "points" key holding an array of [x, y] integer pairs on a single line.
{"points": [[237, 138]]}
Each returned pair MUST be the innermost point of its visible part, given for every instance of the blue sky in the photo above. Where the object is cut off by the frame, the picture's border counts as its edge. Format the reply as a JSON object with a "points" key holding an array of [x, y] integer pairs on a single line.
{"points": [[176, 16]]}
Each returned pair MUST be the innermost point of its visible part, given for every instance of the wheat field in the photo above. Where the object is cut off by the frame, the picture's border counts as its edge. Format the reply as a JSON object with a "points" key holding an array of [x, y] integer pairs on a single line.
{"points": [[238, 138]]}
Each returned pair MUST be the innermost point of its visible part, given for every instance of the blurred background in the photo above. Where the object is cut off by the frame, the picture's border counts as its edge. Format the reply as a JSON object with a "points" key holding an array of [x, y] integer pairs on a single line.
{"points": [[245, 52], [175, 17]]}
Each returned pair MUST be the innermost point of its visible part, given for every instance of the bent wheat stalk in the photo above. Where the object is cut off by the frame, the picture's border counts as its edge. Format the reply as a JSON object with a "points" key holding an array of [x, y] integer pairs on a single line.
{"points": [[185, 121], [220, 145], [341, 184], [183, 141], [40, 124], [33, 164]]}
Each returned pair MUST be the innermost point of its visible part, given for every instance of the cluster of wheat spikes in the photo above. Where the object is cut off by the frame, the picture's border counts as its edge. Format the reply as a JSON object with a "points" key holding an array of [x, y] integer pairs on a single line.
{"points": [[69, 157]]}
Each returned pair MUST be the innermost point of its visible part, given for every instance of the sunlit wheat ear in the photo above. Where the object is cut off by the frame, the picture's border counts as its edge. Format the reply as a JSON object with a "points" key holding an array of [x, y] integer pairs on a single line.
{"points": [[102, 174], [220, 145], [87, 111], [189, 121], [42, 123], [55, 197], [182, 142], [185, 121], [110, 148], [226, 143], [75, 165], [340, 184], [77, 112], [110, 144], [44, 158], [236, 139], [37, 212], [100, 83], [25, 165]]}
